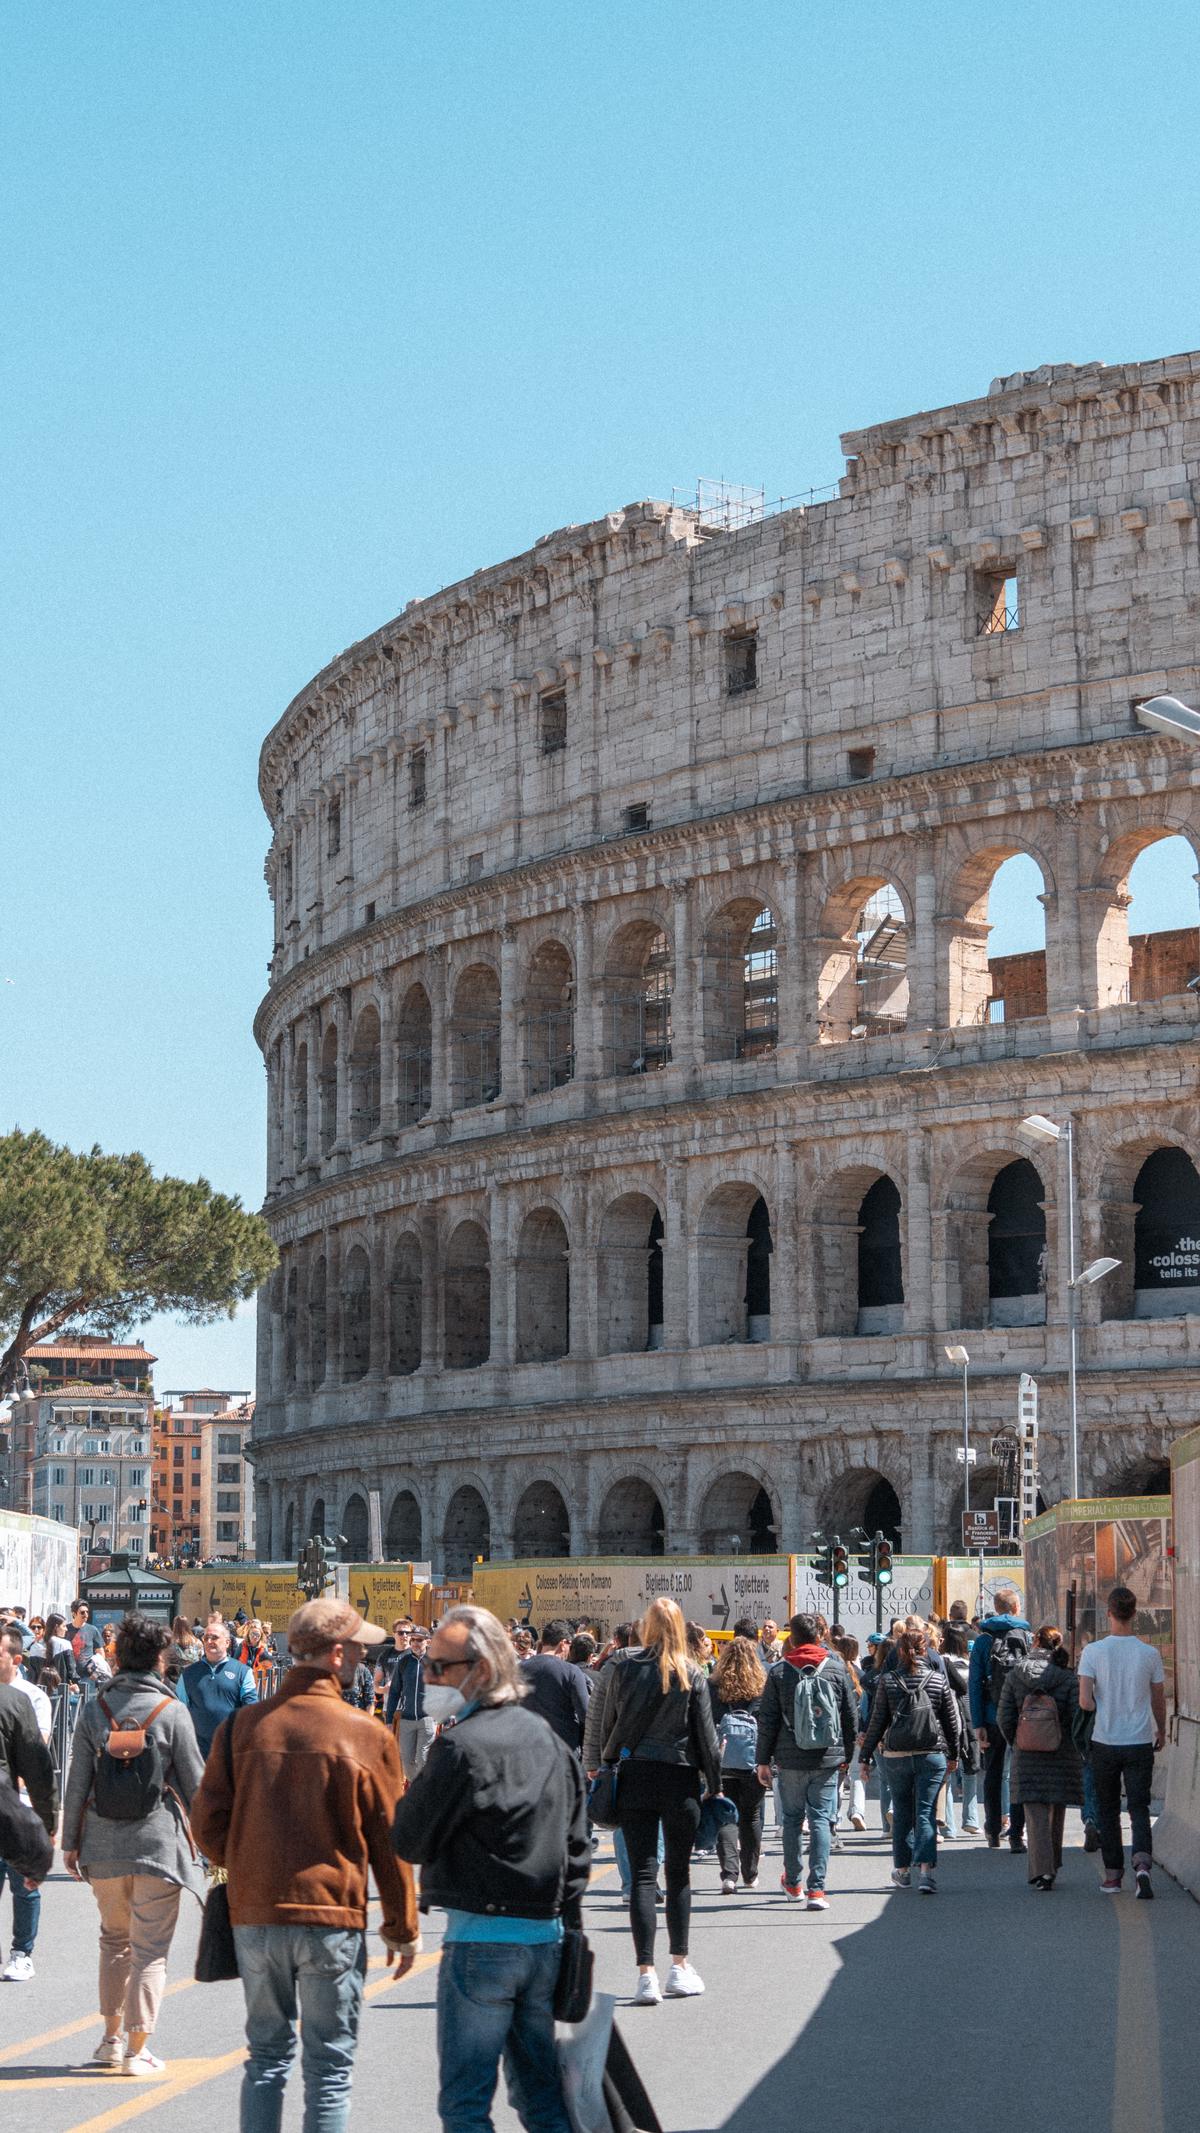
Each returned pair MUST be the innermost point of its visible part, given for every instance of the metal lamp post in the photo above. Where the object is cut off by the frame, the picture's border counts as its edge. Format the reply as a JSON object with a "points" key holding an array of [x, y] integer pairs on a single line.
{"points": [[1037, 1128], [959, 1355]]}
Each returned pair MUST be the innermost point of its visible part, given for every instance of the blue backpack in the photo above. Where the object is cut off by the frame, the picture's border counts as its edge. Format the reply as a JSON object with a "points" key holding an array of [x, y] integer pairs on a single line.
{"points": [[737, 1738]]}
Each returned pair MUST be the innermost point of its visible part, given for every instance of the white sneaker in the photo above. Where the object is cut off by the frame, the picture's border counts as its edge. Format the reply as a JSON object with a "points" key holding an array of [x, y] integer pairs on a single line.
{"points": [[683, 1982], [143, 2062], [728, 1887], [18, 1969], [901, 1877], [109, 2052], [752, 1883], [649, 1993]]}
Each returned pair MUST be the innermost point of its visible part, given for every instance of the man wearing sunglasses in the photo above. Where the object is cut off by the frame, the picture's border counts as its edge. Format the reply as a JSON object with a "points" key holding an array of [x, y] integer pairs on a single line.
{"points": [[496, 1822], [405, 1709]]}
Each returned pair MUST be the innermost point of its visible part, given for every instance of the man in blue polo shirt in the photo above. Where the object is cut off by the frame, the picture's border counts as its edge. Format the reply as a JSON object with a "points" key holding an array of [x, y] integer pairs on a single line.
{"points": [[214, 1686]]}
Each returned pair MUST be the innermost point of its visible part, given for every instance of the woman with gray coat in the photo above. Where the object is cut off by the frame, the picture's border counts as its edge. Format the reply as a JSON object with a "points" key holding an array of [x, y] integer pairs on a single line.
{"points": [[137, 1869], [1046, 1779]]}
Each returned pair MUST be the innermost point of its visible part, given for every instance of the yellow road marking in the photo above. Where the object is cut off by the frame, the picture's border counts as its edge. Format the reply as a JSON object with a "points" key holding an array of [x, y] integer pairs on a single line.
{"points": [[1137, 2069], [73, 2029]]}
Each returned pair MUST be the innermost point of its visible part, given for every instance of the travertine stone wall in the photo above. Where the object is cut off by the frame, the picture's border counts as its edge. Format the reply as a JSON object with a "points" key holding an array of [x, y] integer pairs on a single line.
{"points": [[522, 1113]]}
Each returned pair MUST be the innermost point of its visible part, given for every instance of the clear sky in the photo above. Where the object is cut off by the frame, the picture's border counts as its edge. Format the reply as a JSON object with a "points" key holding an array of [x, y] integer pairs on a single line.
{"points": [[310, 309]]}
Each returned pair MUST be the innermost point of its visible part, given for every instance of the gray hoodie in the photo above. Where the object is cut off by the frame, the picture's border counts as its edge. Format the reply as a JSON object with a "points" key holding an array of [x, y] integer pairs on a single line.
{"points": [[159, 1844]]}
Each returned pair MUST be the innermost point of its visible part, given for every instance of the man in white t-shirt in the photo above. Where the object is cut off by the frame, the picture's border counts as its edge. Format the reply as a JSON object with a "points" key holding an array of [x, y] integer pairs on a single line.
{"points": [[1121, 1680]]}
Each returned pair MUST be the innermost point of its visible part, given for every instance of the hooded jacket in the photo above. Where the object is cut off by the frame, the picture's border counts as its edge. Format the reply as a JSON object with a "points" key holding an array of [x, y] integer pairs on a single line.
{"points": [[159, 1843], [776, 1741], [983, 1710]]}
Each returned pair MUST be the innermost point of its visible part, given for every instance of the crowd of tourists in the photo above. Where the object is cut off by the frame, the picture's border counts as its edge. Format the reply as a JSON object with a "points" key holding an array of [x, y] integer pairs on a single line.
{"points": [[500, 1758]]}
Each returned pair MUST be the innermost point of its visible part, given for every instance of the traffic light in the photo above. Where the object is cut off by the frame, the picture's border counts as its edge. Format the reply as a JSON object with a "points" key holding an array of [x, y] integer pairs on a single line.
{"points": [[883, 1560], [866, 1564], [841, 1567], [821, 1564], [315, 1569]]}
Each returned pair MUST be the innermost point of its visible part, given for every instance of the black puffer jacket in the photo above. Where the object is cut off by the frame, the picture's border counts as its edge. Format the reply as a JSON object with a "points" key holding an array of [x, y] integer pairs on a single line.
{"points": [[957, 1674], [1041, 1777], [887, 1702]]}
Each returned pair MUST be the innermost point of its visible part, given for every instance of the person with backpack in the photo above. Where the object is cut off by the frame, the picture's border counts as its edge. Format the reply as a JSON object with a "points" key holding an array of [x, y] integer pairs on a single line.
{"points": [[955, 1659], [135, 1767], [735, 1690], [1038, 1707], [808, 1724], [1004, 1639], [915, 1716]]}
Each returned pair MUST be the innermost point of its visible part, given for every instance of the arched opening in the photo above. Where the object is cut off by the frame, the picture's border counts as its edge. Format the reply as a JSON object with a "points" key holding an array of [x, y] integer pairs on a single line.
{"points": [[1162, 920], [542, 1525], [318, 1356], [403, 1539], [475, 1038], [300, 1110], [734, 1249], [862, 1498], [543, 1288], [356, 1314], [291, 1319], [414, 1056], [327, 1082], [289, 1532], [863, 986], [467, 1298], [316, 1523], [1166, 1236], [741, 982], [466, 1534], [630, 1276], [638, 982], [1015, 920], [365, 1077], [356, 1542], [738, 1517], [880, 1269], [549, 1020], [632, 1521], [404, 1309], [1016, 1247]]}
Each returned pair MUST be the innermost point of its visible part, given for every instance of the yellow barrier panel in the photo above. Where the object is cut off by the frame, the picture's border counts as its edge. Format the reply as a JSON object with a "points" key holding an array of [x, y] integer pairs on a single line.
{"points": [[381, 1592], [711, 1591], [269, 1594]]}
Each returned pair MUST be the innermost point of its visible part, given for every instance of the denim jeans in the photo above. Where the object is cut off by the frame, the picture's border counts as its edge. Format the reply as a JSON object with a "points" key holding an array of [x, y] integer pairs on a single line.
{"points": [[496, 2000], [1091, 1806], [916, 1783], [318, 1974], [970, 1798], [27, 1909], [885, 1791], [1134, 1765], [812, 1793]]}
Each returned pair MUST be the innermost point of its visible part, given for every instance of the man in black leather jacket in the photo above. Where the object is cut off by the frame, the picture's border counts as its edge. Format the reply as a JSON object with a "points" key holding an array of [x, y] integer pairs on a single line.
{"points": [[496, 1822]]}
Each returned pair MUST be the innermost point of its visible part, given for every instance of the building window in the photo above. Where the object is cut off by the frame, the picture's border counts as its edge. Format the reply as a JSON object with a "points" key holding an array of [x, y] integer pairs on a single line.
{"points": [[58, 1476], [228, 1441], [229, 1500], [196, 1451], [637, 817], [741, 662], [177, 1485], [369, 915], [230, 1472], [87, 1479], [474, 866], [333, 822], [178, 1425], [179, 1455], [416, 778], [135, 1544], [195, 1509], [227, 1529], [552, 708], [289, 879], [137, 1477], [860, 763], [998, 604]]}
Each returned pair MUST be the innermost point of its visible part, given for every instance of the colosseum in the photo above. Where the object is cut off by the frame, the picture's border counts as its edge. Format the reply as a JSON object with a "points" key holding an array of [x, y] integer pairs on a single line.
{"points": [[645, 1105]]}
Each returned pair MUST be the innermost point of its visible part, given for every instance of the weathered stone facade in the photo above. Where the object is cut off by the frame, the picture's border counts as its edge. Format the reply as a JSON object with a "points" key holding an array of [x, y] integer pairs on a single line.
{"points": [[633, 1154]]}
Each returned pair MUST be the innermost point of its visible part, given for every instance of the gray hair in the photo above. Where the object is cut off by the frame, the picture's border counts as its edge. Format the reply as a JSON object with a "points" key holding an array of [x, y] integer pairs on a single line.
{"points": [[487, 1643]]}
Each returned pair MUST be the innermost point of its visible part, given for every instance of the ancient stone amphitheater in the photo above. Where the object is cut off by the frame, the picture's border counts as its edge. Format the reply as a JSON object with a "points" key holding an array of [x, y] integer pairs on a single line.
{"points": [[645, 1107]]}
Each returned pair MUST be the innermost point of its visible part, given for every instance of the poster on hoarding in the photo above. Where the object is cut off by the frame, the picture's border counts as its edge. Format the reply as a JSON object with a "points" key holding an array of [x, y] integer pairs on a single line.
{"points": [[619, 1589], [39, 1563]]}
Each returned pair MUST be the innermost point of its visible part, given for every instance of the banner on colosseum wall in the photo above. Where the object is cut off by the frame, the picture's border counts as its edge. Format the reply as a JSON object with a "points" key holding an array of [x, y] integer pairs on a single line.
{"points": [[711, 1592]]}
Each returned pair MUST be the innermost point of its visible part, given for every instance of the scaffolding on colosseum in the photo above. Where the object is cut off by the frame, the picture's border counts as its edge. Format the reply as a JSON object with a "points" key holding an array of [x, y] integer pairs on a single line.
{"points": [[549, 1050]]}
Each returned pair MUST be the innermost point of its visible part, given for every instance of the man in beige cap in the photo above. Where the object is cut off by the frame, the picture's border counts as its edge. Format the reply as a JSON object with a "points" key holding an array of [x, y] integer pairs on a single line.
{"points": [[298, 1870]]}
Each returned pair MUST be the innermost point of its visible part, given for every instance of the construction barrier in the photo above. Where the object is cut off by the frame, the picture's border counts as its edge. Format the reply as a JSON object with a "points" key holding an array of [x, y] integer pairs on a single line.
{"points": [[1177, 1831], [713, 1591], [1075, 1554], [39, 1563]]}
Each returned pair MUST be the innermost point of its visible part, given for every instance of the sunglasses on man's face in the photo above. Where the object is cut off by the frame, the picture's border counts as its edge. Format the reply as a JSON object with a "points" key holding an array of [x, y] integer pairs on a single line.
{"points": [[435, 1668]]}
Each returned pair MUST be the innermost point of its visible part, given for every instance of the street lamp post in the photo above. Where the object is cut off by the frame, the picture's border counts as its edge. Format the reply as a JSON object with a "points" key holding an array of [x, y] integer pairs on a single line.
{"points": [[959, 1355], [1037, 1128]]}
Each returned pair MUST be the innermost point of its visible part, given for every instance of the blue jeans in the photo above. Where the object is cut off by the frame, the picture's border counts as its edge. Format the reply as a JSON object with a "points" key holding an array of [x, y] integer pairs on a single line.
{"points": [[916, 1783], [812, 1793], [1091, 1806], [27, 1909], [318, 1974], [496, 2000]]}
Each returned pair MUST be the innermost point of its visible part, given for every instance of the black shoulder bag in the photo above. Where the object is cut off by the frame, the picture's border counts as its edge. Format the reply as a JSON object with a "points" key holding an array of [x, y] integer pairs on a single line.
{"points": [[216, 1950]]}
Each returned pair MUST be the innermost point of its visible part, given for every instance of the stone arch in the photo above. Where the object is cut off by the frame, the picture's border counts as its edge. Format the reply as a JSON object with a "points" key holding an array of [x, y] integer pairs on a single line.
{"points": [[740, 980], [402, 1541], [632, 1519], [629, 1272], [969, 978], [734, 1248], [861, 1497], [549, 1019], [300, 1110], [356, 1529], [1146, 1475], [543, 1284], [414, 1056], [1166, 1235], [638, 984], [467, 1298], [475, 1037], [541, 1522], [466, 1531], [289, 1532], [863, 986], [859, 1252], [405, 1294], [366, 1077], [996, 1253], [738, 1513], [356, 1314], [317, 1516], [1135, 960], [327, 1088], [318, 1323]]}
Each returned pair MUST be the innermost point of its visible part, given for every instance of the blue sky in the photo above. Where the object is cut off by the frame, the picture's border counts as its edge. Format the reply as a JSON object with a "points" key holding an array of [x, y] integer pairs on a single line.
{"points": [[311, 309]]}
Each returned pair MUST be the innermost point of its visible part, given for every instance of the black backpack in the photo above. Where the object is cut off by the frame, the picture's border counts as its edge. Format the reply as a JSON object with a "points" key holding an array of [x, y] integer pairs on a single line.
{"points": [[1007, 1651], [914, 1730], [131, 1773]]}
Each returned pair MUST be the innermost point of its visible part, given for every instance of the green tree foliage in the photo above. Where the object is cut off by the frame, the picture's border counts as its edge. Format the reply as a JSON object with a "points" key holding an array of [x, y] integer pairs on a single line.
{"points": [[97, 1242]]}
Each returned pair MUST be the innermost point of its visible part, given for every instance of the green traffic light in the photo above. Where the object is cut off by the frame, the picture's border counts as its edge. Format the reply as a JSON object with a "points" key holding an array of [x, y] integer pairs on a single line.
{"points": [[883, 1575]]}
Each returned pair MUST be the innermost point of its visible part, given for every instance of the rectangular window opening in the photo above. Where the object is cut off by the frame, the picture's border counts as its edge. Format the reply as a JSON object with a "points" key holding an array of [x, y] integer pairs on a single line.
{"points": [[369, 915], [416, 778], [552, 708], [741, 662], [860, 763], [999, 604], [637, 817], [334, 826]]}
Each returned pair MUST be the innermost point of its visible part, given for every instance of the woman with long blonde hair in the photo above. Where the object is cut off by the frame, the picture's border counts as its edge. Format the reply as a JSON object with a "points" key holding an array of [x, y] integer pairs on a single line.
{"points": [[651, 1714], [735, 1690]]}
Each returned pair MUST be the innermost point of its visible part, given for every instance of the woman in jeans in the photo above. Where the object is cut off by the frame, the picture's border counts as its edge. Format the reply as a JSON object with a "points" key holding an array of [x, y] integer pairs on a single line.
{"points": [[906, 1696], [955, 1653], [137, 1870], [735, 1691], [651, 1711]]}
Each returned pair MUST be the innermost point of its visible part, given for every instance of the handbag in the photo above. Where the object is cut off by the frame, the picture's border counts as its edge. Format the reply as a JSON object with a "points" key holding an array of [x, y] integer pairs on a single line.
{"points": [[573, 1990], [216, 1950], [602, 1789]]}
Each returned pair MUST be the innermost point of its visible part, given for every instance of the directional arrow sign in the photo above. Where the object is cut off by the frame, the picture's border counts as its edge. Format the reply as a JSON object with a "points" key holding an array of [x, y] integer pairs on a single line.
{"points": [[254, 1600], [525, 1603], [212, 1601], [723, 1610], [364, 1605]]}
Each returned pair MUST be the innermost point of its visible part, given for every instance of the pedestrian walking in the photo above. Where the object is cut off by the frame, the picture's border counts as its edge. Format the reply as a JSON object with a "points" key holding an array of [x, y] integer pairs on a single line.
{"points": [[496, 1822], [1036, 1716], [86, 1639], [735, 1691], [955, 1655], [847, 1649], [807, 1725], [1121, 1680], [652, 1711], [185, 1646], [216, 1685], [405, 1709], [880, 1655], [12, 1676], [24, 1759], [1004, 1640], [125, 1832], [556, 1690], [915, 1718], [298, 1886]]}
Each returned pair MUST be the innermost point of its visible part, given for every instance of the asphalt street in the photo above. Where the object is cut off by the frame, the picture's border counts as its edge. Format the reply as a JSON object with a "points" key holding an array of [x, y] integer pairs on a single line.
{"points": [[1074, 2008]]}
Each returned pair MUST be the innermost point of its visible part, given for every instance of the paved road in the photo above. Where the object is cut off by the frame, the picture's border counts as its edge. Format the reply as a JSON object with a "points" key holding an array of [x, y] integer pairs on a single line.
{"points": [[1074, 2007]]}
